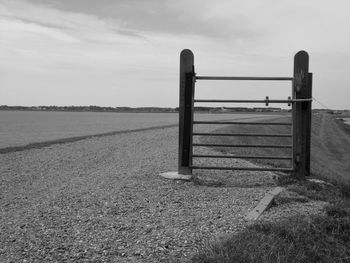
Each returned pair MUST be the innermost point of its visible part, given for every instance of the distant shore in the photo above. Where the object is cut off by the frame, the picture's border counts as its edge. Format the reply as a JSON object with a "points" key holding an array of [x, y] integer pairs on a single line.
{"points": [[93, 108]]}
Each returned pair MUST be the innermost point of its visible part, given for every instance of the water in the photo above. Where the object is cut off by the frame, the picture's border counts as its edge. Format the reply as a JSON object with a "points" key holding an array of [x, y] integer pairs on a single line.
{"points": [[23, 127], [18, 128]]}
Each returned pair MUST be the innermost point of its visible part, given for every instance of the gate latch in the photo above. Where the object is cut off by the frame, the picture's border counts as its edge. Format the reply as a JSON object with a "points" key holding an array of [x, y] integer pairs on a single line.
{"points": [[267, 101]]}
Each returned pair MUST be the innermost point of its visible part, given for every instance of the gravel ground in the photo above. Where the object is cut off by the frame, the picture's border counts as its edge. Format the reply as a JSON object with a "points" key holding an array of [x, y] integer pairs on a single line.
{"points": [[102, 200]]}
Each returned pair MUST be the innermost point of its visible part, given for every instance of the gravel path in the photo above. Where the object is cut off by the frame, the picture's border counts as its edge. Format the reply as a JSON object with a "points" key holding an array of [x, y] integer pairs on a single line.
{"points": [[102, 200]]}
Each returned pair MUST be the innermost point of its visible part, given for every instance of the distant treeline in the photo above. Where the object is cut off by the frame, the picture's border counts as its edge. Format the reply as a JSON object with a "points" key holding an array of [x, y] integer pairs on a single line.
{"points": [[87, 108], [139, 109], [153, 109]]}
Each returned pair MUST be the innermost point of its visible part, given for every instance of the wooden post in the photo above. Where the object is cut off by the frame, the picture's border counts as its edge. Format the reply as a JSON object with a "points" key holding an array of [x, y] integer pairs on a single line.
{"points": [[302, 89], [186, 111], [307, 115]]}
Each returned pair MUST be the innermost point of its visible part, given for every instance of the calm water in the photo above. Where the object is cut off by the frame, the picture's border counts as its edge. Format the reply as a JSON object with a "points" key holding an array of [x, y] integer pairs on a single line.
{"points": [[23, 127], [19, 128]]}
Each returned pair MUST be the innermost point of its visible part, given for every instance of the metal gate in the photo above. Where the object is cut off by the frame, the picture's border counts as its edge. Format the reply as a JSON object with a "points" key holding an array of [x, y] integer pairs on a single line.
{"points": [[301, 119]]}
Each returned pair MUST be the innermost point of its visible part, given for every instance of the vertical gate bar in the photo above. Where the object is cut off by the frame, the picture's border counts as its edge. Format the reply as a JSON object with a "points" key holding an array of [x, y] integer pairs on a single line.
{"points": [[186, 112], [301, 69]]}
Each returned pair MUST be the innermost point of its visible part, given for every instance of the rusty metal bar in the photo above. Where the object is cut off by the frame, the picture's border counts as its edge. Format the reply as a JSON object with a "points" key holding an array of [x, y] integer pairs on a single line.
{"points": [[266, 101], [242, 157], [243, 168], [242, 78], [241, 145], [242, 123], [242, 134]]}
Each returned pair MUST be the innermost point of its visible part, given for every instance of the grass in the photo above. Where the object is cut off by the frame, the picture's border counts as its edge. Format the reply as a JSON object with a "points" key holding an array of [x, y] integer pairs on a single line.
{"points": [[297, 239], [330, 149], [321, 238]]}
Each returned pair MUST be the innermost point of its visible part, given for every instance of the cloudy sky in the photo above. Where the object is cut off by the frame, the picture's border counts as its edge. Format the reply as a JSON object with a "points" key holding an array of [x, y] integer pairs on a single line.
{"points": [[126, 52]]}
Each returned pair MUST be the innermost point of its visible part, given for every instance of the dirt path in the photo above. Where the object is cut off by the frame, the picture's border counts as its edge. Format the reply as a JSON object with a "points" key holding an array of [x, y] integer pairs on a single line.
{"points": [[102, 200]]}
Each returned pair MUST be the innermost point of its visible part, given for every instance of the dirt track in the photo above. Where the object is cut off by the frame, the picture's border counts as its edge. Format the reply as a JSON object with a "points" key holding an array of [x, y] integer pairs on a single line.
{"points": [[102, 200]]}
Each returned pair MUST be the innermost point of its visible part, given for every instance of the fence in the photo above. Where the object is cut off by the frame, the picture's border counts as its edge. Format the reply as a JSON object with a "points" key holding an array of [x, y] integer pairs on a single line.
{"points": [[301, 119]]}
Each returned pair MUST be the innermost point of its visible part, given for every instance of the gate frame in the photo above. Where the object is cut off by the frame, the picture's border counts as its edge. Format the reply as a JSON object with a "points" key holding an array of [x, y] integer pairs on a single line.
{"points": [[301, 112]]}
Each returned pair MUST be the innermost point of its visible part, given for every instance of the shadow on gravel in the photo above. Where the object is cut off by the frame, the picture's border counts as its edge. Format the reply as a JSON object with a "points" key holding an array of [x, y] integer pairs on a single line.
{"points": [[208, 183], [232, 182]]}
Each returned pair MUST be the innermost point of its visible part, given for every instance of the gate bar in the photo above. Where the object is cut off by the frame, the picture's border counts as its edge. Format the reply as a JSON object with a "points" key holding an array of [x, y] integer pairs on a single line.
{"points": [[254, 101], [241, 78], [301, 124], [248, 123], [241, 134], [243, 157], [243, 168], [241, 145]]}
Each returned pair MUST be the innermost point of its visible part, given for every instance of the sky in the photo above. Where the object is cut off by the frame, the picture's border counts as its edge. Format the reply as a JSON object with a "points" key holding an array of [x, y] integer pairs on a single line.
{"points": [[126, 52]]}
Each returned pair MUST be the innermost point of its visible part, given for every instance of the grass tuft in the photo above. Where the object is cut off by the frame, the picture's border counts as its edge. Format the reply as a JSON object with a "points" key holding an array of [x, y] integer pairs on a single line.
{"points": [[321, 238], [339, 210], [297, 240], [345, 190]]}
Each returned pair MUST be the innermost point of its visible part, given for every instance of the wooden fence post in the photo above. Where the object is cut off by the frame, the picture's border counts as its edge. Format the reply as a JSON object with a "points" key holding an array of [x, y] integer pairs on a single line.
{"points": [[186, 111], [302, 89]]}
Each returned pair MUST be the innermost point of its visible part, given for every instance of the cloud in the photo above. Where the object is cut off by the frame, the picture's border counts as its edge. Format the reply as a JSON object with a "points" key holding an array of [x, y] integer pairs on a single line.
{"points": [[14, 26], [197, 17], [50, 56], [133, 46], [37, 38], [181, 18], [85, 26]]}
